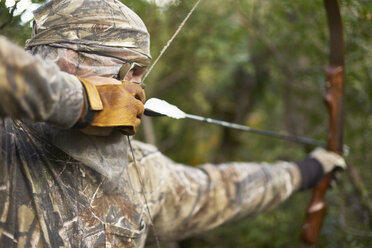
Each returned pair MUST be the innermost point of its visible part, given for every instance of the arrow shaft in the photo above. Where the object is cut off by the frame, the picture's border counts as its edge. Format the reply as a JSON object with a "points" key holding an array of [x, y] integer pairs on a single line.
{"points": [[292, 138]]}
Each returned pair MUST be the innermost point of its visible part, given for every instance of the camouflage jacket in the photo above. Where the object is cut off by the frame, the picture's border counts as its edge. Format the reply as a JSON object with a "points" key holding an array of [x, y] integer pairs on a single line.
{"points": [[61, 188]]}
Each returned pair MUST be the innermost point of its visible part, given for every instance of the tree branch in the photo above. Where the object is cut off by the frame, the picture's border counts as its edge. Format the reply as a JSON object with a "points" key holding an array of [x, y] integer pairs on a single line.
{"points": [[10, 19]]}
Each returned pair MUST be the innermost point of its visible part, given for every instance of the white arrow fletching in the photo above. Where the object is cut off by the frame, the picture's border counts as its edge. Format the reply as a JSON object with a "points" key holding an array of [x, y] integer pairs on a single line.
{"points": [[162, 107]]}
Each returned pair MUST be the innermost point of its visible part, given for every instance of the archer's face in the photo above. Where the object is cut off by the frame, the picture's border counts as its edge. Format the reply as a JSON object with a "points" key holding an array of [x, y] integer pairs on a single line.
{"points": [[88, 64]]}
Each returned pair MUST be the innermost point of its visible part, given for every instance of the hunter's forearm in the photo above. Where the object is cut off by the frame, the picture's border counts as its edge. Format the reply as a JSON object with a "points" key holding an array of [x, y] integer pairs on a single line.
{"points": [[33, 89], [198, 199]]}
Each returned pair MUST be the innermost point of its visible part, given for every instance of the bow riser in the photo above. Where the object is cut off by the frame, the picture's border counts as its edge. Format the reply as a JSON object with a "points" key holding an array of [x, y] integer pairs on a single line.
{"points": [[334, 101]]}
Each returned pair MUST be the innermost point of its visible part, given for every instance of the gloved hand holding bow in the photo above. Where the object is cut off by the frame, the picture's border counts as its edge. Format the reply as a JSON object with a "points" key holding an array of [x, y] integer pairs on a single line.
{"points": [[319, 163]]}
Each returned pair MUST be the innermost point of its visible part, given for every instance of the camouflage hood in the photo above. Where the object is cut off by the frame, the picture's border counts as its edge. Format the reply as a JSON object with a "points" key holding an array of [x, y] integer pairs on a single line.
{"points": [[105, 27]]}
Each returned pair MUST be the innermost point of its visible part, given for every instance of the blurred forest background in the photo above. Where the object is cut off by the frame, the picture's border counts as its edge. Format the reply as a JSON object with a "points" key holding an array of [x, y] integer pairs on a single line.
{"points": [[259, 63]]}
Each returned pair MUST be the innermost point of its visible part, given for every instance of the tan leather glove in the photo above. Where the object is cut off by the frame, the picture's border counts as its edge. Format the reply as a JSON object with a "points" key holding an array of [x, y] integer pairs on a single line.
{"points": [[115, 105]]}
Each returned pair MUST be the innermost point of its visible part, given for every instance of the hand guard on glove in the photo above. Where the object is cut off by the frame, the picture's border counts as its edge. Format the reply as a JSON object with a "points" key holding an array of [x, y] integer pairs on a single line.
{"points": [[113, 105]]}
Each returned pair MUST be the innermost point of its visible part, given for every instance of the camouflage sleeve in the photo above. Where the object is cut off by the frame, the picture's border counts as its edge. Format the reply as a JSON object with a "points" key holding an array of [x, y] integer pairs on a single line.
{"points": [[192, 200], [33, 89]]}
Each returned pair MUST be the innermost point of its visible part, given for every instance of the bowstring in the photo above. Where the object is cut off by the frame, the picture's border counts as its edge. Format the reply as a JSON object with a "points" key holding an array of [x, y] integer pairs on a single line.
{"points": [[171, 39], [143, 189], [129, 142]]}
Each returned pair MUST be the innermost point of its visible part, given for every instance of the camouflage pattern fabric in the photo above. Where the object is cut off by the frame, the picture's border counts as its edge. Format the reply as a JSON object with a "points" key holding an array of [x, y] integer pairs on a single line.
{"points": [[31, 88], [96, 26], [81, 63], [51, 199], [61, 188]]}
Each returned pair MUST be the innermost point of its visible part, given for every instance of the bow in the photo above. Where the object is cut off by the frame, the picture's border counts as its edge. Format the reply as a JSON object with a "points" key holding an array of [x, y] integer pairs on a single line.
{"points": [[334, 98]]}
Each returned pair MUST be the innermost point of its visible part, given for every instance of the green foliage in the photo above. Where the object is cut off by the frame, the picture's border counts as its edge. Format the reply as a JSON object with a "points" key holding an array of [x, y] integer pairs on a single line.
{"points": [[12, 26], [265, 230], [260, 63]]}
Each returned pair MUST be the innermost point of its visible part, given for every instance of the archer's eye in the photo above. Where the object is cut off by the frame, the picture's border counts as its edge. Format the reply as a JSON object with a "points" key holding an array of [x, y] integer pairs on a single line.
{"points": [[138, 70]]}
